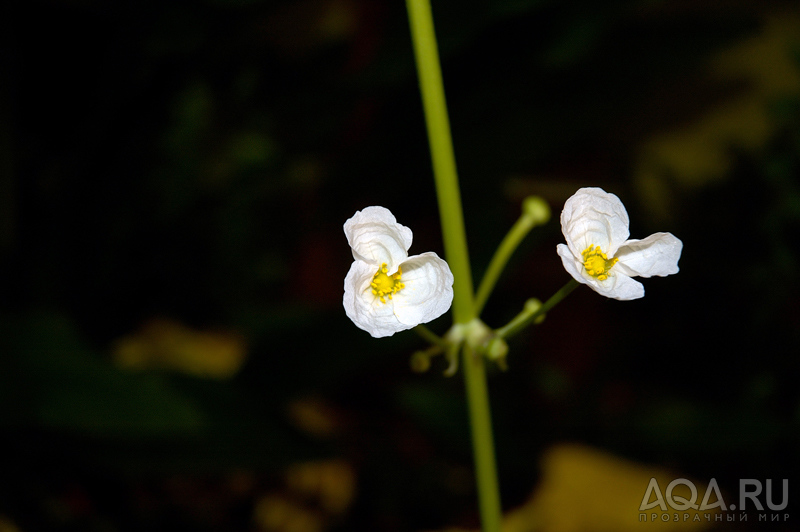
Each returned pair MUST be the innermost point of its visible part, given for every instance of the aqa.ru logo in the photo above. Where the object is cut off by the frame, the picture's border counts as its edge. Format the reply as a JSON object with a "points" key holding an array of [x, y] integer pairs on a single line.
{"points": [[749, 488]]}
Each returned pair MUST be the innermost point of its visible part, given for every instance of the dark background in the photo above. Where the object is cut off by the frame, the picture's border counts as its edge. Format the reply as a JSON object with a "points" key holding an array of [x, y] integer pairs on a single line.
{"points": [[193, 164]]}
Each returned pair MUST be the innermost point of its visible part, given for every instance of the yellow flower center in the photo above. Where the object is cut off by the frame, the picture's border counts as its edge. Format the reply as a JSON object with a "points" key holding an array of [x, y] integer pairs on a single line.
{"points": [[597, 263], [385, 285]]}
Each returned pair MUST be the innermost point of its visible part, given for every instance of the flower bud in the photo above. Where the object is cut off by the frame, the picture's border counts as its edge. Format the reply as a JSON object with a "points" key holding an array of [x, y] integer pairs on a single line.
{"points": [[536, 209], [420, 362], [497, 351], [532, 306]]}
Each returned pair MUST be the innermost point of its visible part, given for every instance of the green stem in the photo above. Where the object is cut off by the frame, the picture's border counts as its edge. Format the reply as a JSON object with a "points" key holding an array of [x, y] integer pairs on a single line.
{"points": [[430, 336], [531, 312], [444, 162], [482, 440], [507, 247], [455, 245]]}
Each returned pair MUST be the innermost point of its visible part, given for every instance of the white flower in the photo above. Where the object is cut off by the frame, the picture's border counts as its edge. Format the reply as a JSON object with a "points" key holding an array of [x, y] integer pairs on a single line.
{"points": [[386, 291], [595, 225]]}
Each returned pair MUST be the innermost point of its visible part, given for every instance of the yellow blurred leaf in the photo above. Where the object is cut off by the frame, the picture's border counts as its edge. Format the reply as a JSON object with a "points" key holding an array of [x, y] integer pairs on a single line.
{"points": [[332, 483], [586, 490], [168, 345], [314, 416], [6, 525], [276, 513], [699, 152], [315, 495]]}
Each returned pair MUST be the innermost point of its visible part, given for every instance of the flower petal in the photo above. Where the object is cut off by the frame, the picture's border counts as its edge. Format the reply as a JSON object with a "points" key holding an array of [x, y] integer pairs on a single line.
{"points": [[658, 254], [363, 308], [428, 291], [617, 286], [377, 238], [573, 266], [593, 216]]}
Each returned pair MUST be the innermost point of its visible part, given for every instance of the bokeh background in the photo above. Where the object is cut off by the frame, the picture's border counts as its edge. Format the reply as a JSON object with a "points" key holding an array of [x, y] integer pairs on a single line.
{"points": [[173, 182]]}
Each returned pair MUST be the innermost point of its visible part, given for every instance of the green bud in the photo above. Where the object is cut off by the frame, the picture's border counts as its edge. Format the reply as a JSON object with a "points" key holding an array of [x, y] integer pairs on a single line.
{"points": [[497, 351], [532, 306], [420, 362], [536, 209]]}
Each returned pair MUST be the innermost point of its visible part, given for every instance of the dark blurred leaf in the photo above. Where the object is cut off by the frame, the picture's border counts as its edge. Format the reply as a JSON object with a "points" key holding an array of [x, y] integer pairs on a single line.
{"points": [[72, 388]]}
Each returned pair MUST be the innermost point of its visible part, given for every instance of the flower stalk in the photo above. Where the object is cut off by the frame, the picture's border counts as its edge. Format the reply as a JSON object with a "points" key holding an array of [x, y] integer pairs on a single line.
{"points": [[482, 440], [535, 211], [535, 310], [430, 336], [455, 245], [442, 156]]}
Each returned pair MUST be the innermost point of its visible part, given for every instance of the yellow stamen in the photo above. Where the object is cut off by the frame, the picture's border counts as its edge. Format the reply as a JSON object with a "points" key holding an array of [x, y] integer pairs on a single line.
{"points": [[385, 285], [597, 263]]}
